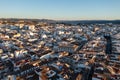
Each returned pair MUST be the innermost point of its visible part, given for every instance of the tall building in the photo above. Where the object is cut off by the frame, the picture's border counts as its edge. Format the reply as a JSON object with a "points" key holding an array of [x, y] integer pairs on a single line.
{"points": [[109, 44]]}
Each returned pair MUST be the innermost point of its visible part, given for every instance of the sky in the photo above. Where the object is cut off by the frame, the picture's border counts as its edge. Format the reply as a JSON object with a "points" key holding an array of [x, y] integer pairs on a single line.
{"points": [[61, 9]]}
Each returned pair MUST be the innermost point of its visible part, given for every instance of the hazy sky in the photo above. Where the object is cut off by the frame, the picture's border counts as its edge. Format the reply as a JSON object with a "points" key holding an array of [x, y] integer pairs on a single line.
{"points": [[60, 9]]}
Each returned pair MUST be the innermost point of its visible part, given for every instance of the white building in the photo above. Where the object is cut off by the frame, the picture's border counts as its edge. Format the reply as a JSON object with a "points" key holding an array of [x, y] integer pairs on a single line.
{"points": [[10, 77], [66, 47]]}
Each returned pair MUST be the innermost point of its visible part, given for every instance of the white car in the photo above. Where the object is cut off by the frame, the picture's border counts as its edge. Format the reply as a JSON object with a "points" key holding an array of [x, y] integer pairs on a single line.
{"points": [[4, 56]]}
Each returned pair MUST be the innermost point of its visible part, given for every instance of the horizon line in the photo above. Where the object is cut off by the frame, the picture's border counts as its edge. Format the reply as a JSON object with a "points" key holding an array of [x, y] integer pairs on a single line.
{"points": [[61, 19]]}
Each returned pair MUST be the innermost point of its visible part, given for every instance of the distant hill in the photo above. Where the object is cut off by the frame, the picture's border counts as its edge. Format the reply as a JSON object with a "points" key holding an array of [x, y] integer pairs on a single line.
{"points": [[74, 22], [25, 21], [17, 19], [91, 22]]}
